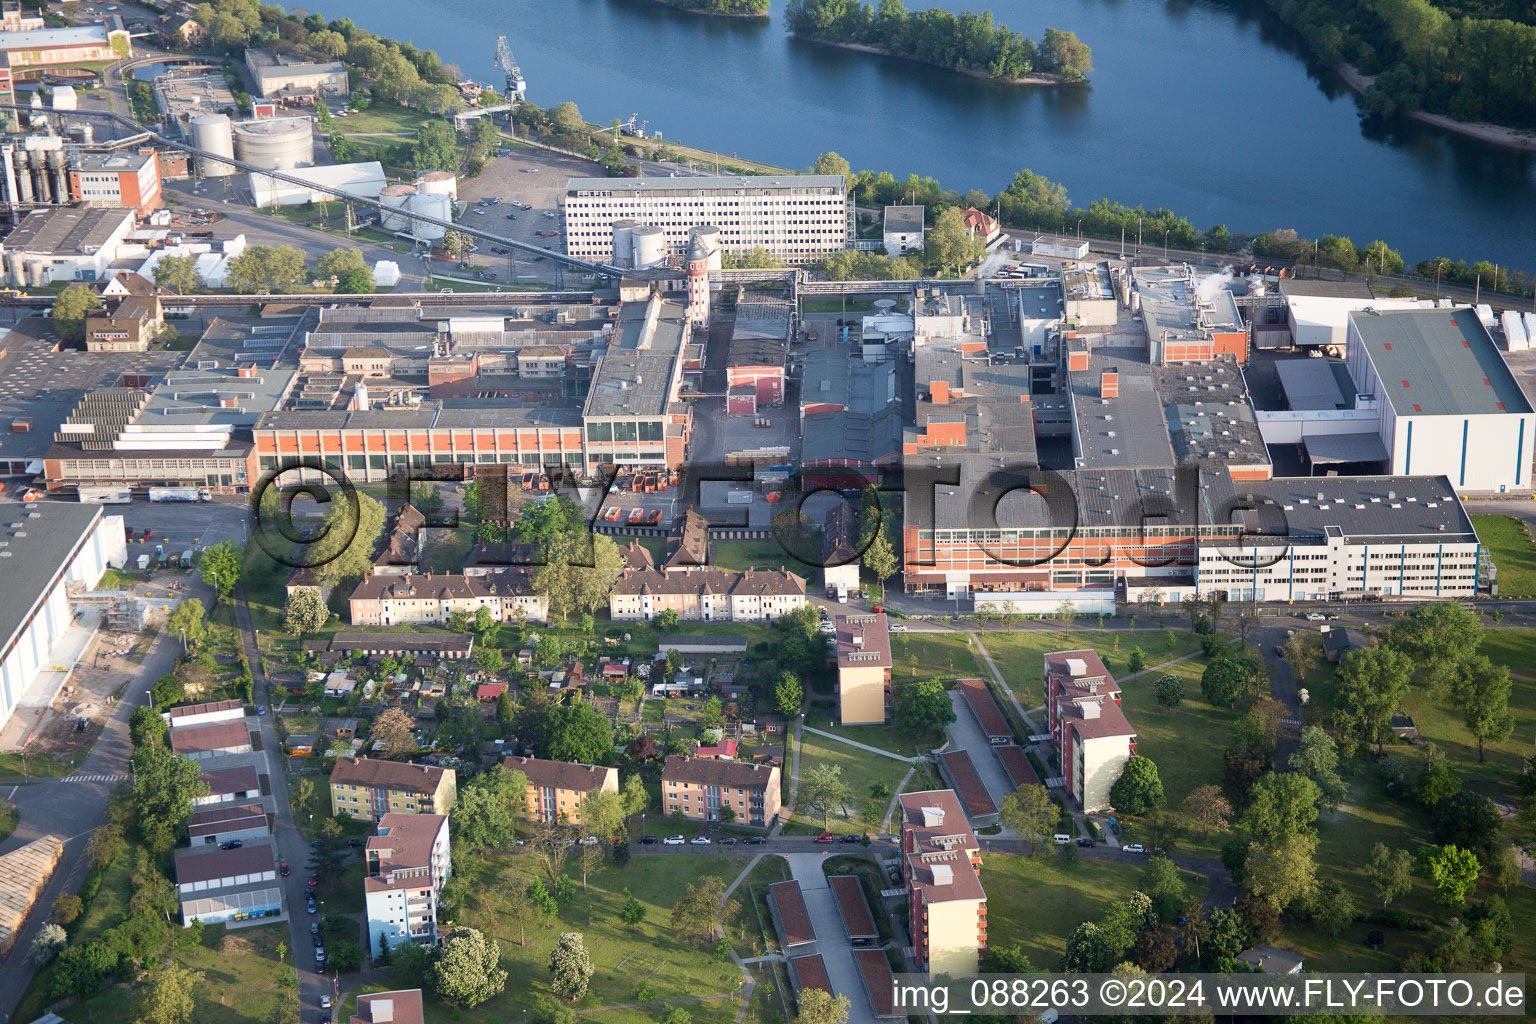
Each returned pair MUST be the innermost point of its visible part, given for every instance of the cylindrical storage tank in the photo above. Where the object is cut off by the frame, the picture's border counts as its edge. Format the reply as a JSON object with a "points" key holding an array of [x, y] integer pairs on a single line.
{"points": [[35, 273], [1255, 284], [650, 246], [23, 176], [440, 182], [710, 236], [623, 246], [214, 134], [59, 169], [393, 198], [276, 143], [434, 205]]}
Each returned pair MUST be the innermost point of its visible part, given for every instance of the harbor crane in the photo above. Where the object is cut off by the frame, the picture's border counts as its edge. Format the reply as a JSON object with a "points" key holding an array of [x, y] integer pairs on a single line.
{"points": [[516, 84]]}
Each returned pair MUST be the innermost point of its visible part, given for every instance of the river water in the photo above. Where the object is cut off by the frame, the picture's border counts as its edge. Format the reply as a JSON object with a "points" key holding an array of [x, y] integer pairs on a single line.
{"points": [[1208, 109]]}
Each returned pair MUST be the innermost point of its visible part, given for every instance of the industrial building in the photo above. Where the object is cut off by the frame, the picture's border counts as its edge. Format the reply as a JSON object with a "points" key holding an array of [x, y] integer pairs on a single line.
{"points": [[408, 862], [1317, 311], [798, 218], [76, 44], [47, 551], [63, 244], [1089, 732], [285, 77], [14, 19], [364, 180], [35, 171], [941, 869], [185, 96], [633, 414], [117, 179]]}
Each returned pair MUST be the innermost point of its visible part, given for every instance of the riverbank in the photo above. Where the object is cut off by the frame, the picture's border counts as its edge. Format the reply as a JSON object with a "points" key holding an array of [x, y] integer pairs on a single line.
{"points": [[1036, 78], [686, 9], [1483, 131]]}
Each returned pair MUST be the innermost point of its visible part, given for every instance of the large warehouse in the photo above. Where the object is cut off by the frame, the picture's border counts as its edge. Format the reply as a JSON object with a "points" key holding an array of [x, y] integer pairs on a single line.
{"points": [[1448, 404], [45, 547]]}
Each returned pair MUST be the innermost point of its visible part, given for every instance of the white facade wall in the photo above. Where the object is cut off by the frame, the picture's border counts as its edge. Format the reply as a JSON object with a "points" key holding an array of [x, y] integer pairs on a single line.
{"points": [[1419, 568], [1099, 763], [409, 914]]}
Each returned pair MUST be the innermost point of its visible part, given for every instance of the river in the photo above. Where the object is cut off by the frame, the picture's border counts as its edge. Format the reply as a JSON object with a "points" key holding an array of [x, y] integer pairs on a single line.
{"points": [[1207, 108]]}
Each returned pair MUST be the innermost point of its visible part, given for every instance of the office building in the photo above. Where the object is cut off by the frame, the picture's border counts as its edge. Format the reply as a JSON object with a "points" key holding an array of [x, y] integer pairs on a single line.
{"points": [[48, 552], [941, 869], [121, 178], [368, 789], [863, 668], [407, 863], [556, 789], [1092, 737], [799, 218], [702, 789]]}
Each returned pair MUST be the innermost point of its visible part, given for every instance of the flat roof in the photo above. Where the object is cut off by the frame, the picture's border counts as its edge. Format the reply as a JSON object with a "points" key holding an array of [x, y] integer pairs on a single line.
{"points": [[704, 182], [51, 38], [1178, 305], [1364, 509], [796, 920], [1127, 430], [39, 540], [1438, 362], [66, 230], [863, 640], [985, 708], [903, 218], [1344, 448], [879, 982], [811, 972], [214, 820], [1312, 384], [967, 782], [853, 907]]}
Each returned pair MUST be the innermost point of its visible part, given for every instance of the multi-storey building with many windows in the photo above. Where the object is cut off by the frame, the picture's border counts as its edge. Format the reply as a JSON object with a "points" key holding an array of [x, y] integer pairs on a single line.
{"points": [[941, 865], [797, 217], [702, 788], [1092, 737], [556, 789], [408, 863], [367, 789]]}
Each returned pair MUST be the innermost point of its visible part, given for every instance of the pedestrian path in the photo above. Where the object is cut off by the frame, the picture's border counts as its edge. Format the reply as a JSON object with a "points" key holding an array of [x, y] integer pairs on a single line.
{"points": [[861, 746]]}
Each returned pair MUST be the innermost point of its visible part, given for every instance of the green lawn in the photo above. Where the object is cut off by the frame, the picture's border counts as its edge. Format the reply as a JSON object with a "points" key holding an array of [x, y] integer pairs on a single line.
{"points": [[1509, 542], [1037, 902], [380, 117], [1185, 742], [1020, 655], [890, 736], [672, 969], [36, 766], [861, 770], [741, 555], [933, 655]]}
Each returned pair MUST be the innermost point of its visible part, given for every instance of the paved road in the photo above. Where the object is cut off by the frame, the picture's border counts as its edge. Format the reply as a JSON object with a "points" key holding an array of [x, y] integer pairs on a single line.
{"points": [[832, 943]]}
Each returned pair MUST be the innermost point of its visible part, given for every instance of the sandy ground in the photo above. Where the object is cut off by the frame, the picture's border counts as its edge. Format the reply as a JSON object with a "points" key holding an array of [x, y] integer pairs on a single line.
{"points": [[1510, 138]]}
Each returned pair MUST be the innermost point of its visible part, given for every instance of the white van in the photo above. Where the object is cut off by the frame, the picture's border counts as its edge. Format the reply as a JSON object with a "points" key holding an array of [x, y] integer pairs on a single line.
{"points": [[1062, 839]]}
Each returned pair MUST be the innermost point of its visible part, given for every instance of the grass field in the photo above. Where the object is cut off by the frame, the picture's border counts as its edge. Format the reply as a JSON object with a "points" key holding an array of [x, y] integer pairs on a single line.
{"points": [[933, 655], [1185, 742], [890, 736], [381, 117], [1509, 542], [1036, 902], [741, 555], [1020, 656], [861, 770]]}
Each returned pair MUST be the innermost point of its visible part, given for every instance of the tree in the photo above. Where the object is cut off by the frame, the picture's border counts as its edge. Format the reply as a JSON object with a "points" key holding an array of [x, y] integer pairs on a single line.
{"points": [[1029, 812], [179, 273], [1301, 654], [220, 566], [1170, 691], [305, 612], [454, 243], [633, 914], [490, 659], [1453, 870], [830, 163], [1468, 820], [485, 816], [1164, 886], [1206, 809], [948, 244], [713, 716], [1281, 873], [667, 620], [1317, 757], [1332, 908], [1280, 807], [880, 558], [570, 967], [1125, 919], [566, 117], [164, 787], [336, 262], [330, 44], [818, 1006], [1390, 873], [169, 999], [578, 732], [1436, 780], [355, 282], [579, 572], [788, 694], [467, 969], [345, 955], [541, 900], [924, 706], [698, 914], [393, 732], [1226, 679], [81, 969], [1481, 690], [68, 906], [435, 148], [634, 794], [70, 309], [822, 788], [1138, 789], [1137, 661], [349, 534], [1006, 960], [1063, 53], [1088, 950], [1436, 638], [1371, 684], [50, 939], [1503, 871], [274, 268]]}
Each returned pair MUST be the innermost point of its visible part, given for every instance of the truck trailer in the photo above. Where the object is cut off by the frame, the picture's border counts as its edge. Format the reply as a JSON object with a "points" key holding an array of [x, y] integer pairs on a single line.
{"points": [[180, 494]]}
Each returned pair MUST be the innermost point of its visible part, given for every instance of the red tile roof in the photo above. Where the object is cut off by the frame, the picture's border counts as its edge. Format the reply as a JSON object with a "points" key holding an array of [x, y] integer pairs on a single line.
{"points": [[811, 972], [863, 641], [796, 920], [853, 906], [572, 775], [366, 771], [968, 783], [1016, 764], [985, 709], [878, 981], [201, 739]]}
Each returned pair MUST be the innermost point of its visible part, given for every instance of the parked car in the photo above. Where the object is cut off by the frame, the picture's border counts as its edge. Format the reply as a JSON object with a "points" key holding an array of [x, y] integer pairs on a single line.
{"points": [[285, 869], [1062, 839], [314, 927], [1135, 848], [850, 838], [309, 907], [673, 841], [729, 841], [233, 844], [1085, 842], [1316, 617], [589, 841], [261, 709], [653, 517], [648, 841], [354, 843], [319, 954], [325, 1002], [511, 216], [897, 627], [699, 841], [825, 837], [756, 840]]}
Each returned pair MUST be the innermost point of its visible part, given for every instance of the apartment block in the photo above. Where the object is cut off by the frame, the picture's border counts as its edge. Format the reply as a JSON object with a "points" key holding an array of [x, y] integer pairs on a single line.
{"points": [[407, 864], [368, 789], [941, 864], [556, 789], [863, 668], [703, 788], [386, 599], [1092, 737]]}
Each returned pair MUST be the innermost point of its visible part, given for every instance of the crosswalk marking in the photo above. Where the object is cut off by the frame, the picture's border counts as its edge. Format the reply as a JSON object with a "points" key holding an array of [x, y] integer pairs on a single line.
{"points": [[95, 778]]}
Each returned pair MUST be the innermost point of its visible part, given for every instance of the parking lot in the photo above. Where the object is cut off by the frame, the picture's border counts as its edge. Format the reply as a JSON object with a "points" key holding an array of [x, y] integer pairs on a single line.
{"points": [[533, 176]]}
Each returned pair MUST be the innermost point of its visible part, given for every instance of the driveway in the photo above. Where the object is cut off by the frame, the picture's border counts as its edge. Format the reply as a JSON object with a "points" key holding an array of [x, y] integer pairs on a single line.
{"points": [[965, 734], [831, 942]]}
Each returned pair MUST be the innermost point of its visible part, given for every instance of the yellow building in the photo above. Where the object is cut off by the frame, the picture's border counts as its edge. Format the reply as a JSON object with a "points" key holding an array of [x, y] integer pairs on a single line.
{"points": [[703, 789], [556, 789], [863, 668], [367, 789], [946, 903]]}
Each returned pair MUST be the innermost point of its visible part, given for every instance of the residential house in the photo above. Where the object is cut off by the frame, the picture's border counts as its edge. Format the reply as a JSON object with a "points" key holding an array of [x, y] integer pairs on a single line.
{"points": [[368, 789], [407, 863], [704, 788], [863, 668], [715, 595], [941, 865], [556, 789], [1092, 737], [128, 327], [391, 600]]}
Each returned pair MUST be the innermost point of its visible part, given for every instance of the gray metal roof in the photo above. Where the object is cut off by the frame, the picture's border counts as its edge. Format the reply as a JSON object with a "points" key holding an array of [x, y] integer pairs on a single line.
{"points": [[731, 182], [1311, 384], [630, 382], [1125, 431], [904, 219], [65, 231], [38, 540], [1345, 448], [1438, 362], [1368, 509]]}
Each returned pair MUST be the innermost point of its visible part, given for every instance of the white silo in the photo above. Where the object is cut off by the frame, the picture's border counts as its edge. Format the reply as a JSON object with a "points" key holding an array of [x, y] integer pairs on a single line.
{"points": [[434, 205], [650, 245], [394, 198], [441, 182], [213, 134], [1255, 284], [623, 244], [709, 235], [276, 143]]}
